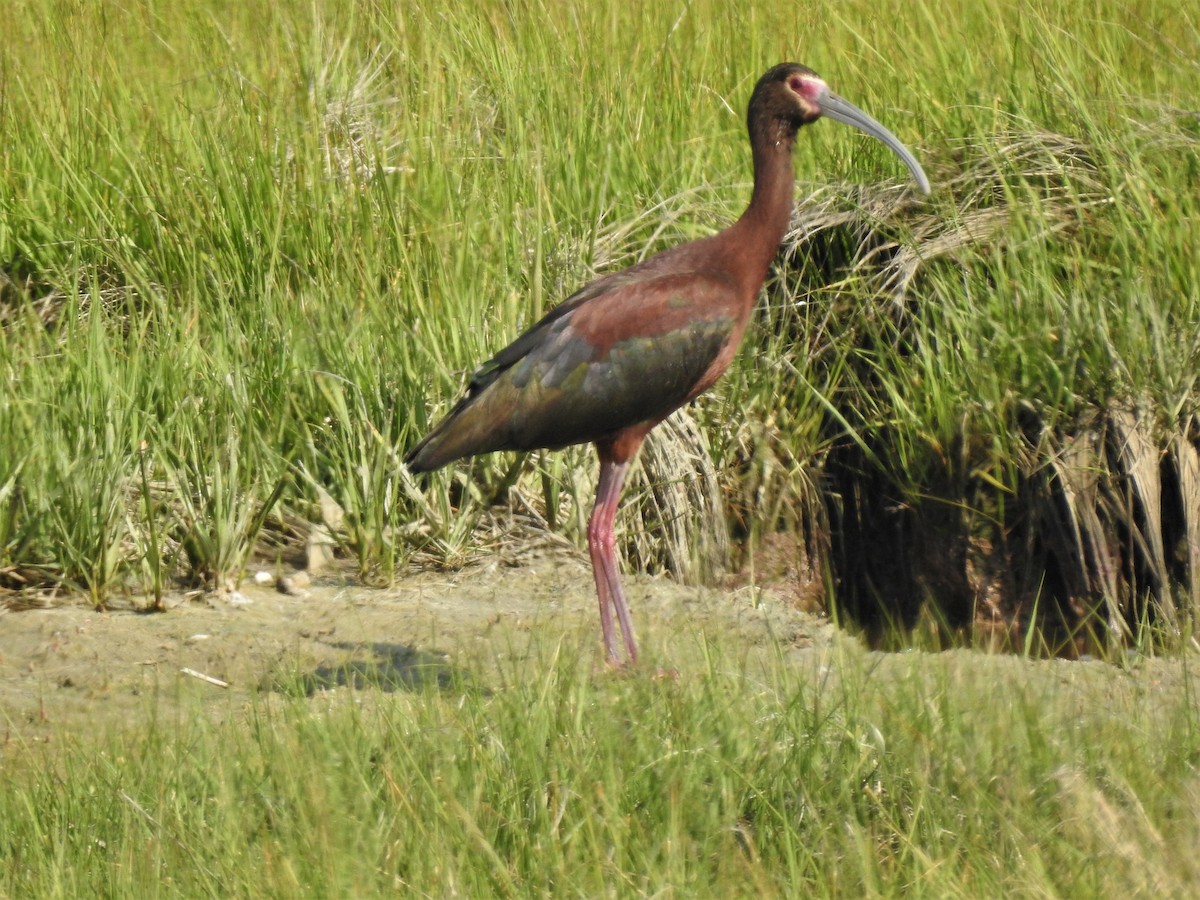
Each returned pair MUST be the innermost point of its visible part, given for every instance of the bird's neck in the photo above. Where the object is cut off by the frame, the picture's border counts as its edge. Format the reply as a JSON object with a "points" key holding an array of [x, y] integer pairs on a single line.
{"points": [[760, 230]]}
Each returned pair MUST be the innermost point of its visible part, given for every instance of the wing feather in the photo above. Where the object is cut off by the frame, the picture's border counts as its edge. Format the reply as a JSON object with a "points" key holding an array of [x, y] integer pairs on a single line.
{"points": [[627, 349]]}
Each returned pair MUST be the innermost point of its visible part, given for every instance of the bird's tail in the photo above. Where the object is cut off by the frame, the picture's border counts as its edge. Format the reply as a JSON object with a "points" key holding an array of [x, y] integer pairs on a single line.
{"points": [[452, 438], [425, 457]]}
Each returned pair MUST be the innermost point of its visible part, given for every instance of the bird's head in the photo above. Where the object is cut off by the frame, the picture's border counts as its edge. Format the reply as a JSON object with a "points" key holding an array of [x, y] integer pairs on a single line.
{"points": [[791, 95]]}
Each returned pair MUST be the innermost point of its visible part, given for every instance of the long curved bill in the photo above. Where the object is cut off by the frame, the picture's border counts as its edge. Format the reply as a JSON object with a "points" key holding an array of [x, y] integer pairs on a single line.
{"points": [[834, 107]]}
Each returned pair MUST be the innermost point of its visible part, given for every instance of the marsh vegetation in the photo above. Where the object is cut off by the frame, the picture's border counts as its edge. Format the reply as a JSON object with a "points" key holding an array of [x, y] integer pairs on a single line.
{"points": [[248, 253]]}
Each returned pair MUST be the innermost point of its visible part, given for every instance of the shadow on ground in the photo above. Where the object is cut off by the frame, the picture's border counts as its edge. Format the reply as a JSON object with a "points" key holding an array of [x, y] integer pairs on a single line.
{"points": [[388, 667]]}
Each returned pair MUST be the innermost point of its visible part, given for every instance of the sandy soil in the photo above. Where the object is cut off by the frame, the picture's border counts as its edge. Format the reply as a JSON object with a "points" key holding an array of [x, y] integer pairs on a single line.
{"points": [[73, 670]]}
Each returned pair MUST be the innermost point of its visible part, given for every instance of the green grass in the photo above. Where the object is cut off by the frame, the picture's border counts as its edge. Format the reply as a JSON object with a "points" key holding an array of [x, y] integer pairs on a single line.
{"points": [[249, 253], [836, 773], [270, 241]]}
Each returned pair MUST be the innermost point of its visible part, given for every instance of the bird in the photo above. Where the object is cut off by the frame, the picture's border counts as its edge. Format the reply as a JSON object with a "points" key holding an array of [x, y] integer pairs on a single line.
{"points": [[621, 354]]}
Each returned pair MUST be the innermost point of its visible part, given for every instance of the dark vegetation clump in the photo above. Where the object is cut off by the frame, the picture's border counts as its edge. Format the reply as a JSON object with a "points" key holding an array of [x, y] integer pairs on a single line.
{"points": [[1082, 529]]}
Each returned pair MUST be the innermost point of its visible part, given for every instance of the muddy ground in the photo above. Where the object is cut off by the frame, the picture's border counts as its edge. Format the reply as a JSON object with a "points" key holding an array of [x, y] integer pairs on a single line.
{"points": [[70, 671], [72, 668]]}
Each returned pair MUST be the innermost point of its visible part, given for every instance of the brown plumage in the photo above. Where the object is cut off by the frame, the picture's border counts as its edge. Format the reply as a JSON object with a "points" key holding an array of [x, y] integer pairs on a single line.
{"points": [[620, 355]]}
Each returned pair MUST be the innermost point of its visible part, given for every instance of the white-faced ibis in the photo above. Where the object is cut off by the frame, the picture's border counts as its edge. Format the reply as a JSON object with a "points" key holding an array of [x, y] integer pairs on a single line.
{"points": [[620, 355]]}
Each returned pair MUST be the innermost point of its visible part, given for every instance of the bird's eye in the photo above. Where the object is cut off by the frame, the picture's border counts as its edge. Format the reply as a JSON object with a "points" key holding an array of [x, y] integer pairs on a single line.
{"points": [[808, 88]]}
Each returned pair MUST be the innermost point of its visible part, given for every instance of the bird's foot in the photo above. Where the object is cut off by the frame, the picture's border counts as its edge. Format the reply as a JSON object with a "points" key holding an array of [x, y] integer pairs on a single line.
{"points": [[631, 667]]}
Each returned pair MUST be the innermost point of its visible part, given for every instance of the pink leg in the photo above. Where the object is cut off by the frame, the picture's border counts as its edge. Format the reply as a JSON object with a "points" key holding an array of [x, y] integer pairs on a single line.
{"points": [[602, 547]]}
